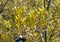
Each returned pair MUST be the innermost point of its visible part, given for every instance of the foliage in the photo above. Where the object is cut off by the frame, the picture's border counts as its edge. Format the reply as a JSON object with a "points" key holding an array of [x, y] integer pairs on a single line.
{"points": [[31, 19]]}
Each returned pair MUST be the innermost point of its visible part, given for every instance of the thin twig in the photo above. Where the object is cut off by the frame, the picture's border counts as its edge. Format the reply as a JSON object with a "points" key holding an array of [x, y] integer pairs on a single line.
{"points": [[2, 7], [44, 3], [5, 3], [50, 39], [45, 36], [49, 2]]}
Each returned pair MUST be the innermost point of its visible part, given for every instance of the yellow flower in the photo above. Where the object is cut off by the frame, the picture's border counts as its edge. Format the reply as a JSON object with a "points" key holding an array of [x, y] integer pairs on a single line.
{"points": [[31, 14], [7, 23], [19, 10], [35, 34], [18, 19], [42, 10], [24, 19]]}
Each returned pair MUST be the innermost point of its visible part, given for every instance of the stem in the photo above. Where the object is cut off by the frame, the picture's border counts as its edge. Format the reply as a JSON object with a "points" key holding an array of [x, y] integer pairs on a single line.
{"points": [[5, 3], [45, 36], [2, 7], [44, 3], [49, 2]]}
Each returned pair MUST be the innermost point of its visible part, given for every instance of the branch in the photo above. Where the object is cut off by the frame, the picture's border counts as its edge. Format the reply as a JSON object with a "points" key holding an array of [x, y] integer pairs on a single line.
{"points": [[49, 2], [2, 7], [45, 36], [5, 3], [44, 3]]}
